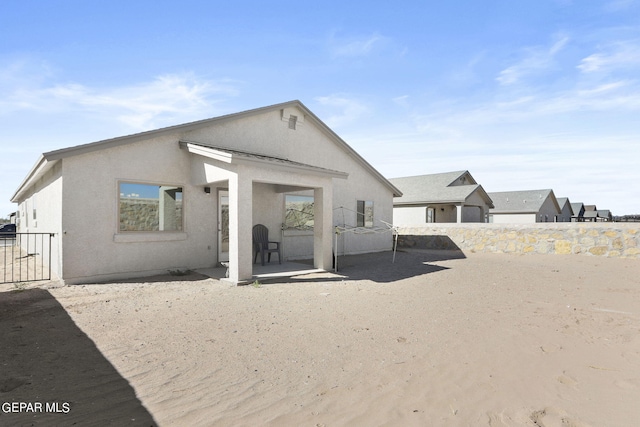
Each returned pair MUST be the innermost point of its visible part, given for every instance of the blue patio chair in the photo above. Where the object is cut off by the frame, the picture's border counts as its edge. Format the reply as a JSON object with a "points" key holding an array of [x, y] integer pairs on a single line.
{"points": [[262, 245]]}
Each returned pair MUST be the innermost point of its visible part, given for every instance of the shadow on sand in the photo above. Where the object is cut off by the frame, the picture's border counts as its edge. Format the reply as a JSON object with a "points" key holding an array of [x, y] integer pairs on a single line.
{"points": [[379, 267], [48, 361]]}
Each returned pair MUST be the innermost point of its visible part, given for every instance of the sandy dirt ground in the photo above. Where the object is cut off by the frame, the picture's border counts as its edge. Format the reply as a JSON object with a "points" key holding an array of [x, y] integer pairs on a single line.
{"points": [[435, 339]]}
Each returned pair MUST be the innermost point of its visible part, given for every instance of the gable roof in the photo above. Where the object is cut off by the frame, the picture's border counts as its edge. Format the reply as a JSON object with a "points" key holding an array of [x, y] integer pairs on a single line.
{"points": [[577, 208], [564, 201], [447, 187], [590, 214], [528, 201], [604, 213], [48, 159]]}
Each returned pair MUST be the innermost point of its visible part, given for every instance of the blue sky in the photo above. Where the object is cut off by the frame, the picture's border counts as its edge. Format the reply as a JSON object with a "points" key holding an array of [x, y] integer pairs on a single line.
{"points": [[523, 94]]}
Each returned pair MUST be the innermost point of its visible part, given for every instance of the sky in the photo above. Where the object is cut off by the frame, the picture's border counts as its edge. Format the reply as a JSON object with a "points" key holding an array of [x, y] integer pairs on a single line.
{"points": [[528, 94]]}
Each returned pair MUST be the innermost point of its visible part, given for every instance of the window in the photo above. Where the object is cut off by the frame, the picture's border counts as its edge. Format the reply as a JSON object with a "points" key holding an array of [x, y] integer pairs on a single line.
{"points": [[145, 207], [431, 215], [298, 212], [365, 214]]}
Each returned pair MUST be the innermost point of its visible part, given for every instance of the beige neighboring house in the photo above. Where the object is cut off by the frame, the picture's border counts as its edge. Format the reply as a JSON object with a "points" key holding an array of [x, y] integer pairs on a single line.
{"points": [[187, 196], [513, 207], [440, 198]]}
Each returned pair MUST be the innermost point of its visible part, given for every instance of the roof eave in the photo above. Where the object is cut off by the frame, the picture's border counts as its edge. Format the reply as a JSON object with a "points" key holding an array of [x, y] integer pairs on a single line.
{"points": [[227, 157], [39, 168], [123, 140]]}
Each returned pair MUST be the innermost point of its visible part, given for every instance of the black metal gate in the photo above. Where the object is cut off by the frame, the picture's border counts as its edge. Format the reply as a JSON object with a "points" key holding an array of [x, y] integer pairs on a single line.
{"points": [[25, 257]]}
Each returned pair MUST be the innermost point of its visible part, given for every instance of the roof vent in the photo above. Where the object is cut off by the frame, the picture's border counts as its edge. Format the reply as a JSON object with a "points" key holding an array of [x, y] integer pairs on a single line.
{"points": [[292, 121]]}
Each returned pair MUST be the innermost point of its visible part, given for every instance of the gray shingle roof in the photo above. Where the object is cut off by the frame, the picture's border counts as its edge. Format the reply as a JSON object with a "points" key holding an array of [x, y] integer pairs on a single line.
{"points": [[437, 188], [577, 207], [527, 201]]}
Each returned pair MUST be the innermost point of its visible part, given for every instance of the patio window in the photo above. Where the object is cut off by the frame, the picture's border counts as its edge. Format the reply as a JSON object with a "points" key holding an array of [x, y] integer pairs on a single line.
{"points": [[364, 214], [298, 212], [148, 207]]}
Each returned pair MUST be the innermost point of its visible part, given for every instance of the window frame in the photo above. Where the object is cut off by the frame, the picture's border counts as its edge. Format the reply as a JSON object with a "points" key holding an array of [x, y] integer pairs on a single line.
{"points": [[361, 214], [307, 196], [180, 221]]}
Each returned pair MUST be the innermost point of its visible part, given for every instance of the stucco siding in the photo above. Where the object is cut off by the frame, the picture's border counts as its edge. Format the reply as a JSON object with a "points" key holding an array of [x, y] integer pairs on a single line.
{"points": [[472, 214], [44, 199], [93, 244], [513, 218], [268, 134], [565, 215], [548, 211], [409, 215]]}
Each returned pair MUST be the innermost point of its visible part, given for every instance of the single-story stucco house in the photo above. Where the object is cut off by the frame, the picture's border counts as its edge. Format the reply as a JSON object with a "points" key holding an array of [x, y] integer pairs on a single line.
{"points": [[590, 213], [578, 212], [188, 196], [566, 211], [528, 206], [440, 198], [605, 215], [593, 214]]}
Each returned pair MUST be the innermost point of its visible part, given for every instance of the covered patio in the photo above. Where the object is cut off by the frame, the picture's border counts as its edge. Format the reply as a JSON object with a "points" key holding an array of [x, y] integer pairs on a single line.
{"points": [[252, 181]]}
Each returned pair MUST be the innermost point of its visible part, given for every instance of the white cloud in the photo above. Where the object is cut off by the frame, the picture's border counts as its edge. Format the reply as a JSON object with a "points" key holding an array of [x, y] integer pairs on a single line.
{"points": [[402, 101], [355, 46], [536, 59], [615, 56], [164, 100], [343, 109]]}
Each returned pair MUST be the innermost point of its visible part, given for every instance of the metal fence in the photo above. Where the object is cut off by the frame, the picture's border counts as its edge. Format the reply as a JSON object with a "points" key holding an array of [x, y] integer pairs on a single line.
{"points": [[25, 257]]}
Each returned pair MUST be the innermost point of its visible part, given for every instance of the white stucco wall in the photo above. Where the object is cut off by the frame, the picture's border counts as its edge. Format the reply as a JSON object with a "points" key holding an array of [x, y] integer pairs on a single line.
{"points": [[512, 218], [409, 215], [565, 215], [417, 215], [93, 245], [45, 196], [268, 134], [548, 211]]}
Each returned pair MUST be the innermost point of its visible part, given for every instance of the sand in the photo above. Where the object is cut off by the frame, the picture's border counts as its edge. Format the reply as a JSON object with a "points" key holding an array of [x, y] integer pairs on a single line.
{"points": [[436, 339]]}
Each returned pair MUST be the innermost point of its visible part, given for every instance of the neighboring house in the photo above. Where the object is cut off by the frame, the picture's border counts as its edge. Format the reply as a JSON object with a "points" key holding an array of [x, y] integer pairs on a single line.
{"points": [[440, 198], [578, 212], [566, 210], [524, 206], [590, 213], [187, 196], [604, 215]]}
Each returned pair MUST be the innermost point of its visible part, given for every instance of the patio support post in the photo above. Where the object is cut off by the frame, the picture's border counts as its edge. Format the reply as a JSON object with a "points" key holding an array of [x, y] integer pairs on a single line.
{"points": [[323, 227], [240, 225], [459, 212]]}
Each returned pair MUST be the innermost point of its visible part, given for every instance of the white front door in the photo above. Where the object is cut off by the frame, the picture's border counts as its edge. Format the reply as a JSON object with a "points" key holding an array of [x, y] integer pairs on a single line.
{"points": [[223, 226]]}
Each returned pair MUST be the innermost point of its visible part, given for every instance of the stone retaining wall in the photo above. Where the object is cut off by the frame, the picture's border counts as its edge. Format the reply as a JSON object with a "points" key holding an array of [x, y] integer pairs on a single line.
{"points": [[597, 239], [143, 214]]}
